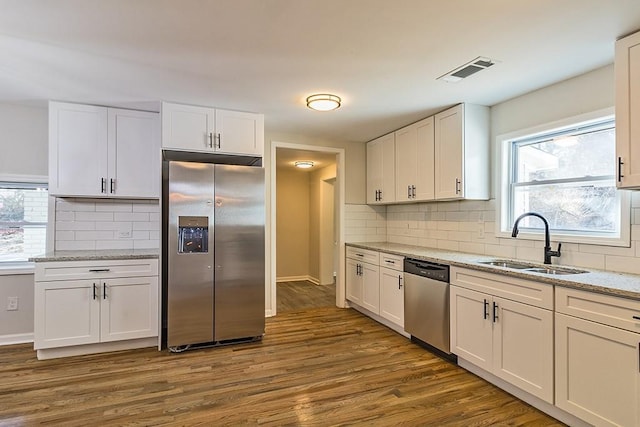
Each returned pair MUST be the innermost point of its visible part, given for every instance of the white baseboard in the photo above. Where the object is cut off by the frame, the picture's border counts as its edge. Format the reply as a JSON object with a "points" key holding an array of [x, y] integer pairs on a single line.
{"points": [[298, 279], [16, 339], [53, 353]]}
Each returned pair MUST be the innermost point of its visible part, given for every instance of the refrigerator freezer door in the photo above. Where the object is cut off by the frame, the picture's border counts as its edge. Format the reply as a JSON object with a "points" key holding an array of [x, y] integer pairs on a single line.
{"points": [[239, 247], [190, 290]]}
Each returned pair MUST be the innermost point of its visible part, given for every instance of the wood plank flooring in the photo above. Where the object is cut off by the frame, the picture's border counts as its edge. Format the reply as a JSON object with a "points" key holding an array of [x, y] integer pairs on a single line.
{"points": [[302, 295], [319, 367]]}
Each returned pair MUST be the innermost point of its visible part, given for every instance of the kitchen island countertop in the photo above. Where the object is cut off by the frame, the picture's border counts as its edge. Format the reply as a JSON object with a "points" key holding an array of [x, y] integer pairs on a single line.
{"points": [[605, 282]]}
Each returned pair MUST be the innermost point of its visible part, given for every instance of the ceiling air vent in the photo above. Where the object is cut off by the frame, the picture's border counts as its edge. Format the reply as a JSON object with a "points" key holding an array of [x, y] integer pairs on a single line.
{"points": [[464, 71]]}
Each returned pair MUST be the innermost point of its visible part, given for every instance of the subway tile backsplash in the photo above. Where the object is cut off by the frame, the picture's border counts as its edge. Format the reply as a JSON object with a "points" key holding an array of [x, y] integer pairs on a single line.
{"points": [[469, 226], [92, 224]]}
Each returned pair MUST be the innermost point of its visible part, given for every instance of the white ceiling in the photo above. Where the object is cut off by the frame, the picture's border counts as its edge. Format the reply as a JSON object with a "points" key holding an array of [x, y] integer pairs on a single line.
{"points": [[382, 57]]}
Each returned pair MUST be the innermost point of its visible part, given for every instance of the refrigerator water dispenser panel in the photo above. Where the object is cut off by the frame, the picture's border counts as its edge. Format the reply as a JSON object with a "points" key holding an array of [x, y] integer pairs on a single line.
{"points": [[193, 234]]}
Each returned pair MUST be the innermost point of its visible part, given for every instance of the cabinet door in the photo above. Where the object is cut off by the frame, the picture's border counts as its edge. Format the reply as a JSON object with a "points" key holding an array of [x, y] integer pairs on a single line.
{"points": [[371, 287], [129, 308], [406, 163], [597, 372], [523, 347], [239, 133], [66, 313], [471, 327], [627, 70], [187, 127], [134, 154], [77, 150], [449, 154], [425, 185], [392, 295], [381, 187], [354, 281]]}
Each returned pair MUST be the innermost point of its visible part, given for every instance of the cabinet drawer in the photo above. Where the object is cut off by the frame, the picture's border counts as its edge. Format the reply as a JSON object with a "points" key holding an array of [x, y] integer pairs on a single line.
{"points": [[364, 255], [76, 270], [513, 288], [394, 262], [605, 309]]}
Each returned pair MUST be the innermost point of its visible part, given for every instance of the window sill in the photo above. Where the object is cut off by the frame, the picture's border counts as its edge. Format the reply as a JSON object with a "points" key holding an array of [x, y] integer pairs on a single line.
{"points": [[18, 268], [623, 242]]}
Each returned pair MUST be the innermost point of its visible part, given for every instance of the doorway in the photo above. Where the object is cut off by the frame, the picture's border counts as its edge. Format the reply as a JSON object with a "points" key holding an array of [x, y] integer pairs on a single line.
{"points": [[306, 227]]}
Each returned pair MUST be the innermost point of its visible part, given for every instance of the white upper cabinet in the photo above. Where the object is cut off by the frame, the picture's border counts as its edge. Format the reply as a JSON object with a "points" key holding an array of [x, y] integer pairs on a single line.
{"points": [[381, 185], [462, 153], [627, 71], [103, 152], [415, 162], [204, 129]]}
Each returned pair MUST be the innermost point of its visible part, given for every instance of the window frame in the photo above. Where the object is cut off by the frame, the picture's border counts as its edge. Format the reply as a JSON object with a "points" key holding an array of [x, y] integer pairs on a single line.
{"points": [[504, 214], [26, 267]]}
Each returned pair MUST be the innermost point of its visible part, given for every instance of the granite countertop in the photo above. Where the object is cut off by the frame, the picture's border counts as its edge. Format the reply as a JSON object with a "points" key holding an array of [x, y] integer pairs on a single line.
{"points": [[605, 282], [107, 254]]}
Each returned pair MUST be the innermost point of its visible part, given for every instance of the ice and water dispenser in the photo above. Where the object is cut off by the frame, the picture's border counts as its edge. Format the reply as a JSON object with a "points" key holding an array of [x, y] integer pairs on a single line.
{"points": [[193, 234]]}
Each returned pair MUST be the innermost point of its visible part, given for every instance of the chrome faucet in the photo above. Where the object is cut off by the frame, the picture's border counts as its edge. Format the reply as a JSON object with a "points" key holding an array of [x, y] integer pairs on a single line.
{"points": [[548, 253]]}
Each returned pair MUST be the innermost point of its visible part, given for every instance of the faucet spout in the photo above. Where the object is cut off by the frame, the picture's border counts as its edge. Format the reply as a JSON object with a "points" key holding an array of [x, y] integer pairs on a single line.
{"points": [[548, 253]]}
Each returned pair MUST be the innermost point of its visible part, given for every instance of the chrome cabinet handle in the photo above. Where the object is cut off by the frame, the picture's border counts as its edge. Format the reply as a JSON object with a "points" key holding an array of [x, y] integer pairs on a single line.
{"points": [[620, 163]]}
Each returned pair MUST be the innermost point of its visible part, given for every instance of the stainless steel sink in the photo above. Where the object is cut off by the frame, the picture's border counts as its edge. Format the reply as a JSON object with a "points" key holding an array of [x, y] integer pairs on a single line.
{"points": [[555, 271], [533, 268], [508, 264]]}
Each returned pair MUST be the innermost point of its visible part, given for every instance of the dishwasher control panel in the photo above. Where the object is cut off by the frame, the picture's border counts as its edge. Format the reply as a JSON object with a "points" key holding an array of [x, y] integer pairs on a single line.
{"points": [[432, 270]]}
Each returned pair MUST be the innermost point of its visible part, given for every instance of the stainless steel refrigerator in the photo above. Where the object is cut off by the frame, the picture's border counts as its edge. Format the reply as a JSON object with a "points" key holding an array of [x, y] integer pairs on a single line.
{"points": [[214, 253]]}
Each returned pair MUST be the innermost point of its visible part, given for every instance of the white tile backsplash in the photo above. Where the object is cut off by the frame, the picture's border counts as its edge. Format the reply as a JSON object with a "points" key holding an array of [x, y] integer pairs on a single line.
{"points": [[94, 224]]}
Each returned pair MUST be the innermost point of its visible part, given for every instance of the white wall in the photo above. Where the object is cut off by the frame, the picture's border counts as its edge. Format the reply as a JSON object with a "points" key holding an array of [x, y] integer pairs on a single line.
{"points": [[24, 144]]}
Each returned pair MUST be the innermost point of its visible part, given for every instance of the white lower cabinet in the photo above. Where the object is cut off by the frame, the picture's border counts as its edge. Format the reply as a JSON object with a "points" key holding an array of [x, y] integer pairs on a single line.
{"points": [[392, 295], [80, 303], [507, 338], [375, 282], [598, 357]]}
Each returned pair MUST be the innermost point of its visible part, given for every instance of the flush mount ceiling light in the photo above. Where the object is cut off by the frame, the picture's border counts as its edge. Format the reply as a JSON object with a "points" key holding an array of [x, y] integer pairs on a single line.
{"points": [[304, 164], [464, 71], [323, 102]]}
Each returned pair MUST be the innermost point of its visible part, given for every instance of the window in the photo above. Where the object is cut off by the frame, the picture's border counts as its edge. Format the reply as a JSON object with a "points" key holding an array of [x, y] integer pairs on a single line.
{"points": [[566, 174], [23, 220]]}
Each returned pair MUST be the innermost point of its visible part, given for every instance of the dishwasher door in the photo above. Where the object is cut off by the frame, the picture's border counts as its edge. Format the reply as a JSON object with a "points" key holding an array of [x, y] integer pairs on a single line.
{"points": [[426, 310]]}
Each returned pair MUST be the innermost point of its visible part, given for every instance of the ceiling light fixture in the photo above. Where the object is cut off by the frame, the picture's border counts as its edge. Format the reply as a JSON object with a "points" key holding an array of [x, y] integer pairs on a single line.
{"points": [[323, 102], [304, 164]]}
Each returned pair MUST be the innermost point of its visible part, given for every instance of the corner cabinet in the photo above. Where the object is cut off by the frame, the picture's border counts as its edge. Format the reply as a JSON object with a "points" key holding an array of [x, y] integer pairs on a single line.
{"points": [[204, 129], [462, 153], [103, 152], [598, 357], [627, 73], [504, 326], [381, 187], [414, 155], [80, 304]]}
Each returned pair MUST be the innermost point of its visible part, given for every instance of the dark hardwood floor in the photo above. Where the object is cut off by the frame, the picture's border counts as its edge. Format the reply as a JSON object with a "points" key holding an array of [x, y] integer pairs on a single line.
{"points": [[320, 367], [302, 295]]}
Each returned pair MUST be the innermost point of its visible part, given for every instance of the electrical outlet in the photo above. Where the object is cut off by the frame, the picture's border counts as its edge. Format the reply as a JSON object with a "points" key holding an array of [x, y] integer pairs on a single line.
{"points": [[481, 230], [12, 303], [124, 234]]}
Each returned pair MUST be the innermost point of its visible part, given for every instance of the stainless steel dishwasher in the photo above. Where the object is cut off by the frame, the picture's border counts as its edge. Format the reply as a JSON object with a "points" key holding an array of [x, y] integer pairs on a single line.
{"points": [[426, 302]]}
